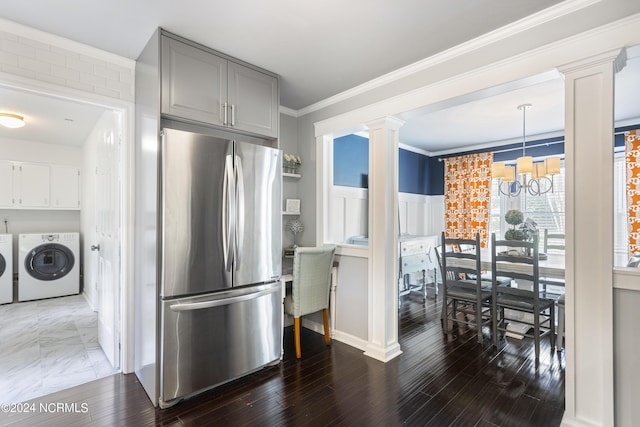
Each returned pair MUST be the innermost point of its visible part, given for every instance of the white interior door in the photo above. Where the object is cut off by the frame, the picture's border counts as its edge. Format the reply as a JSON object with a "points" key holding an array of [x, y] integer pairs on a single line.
{"points": [[108, 207]]}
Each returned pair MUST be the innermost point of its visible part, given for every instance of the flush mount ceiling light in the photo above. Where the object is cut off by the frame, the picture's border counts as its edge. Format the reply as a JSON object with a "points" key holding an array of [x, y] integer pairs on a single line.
{"points": [[542, 173], [11, 120]]}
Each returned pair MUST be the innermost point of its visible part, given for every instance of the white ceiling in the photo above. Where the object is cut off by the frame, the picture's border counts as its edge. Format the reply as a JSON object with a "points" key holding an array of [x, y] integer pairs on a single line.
{"points": [[492, 117], [49, 120], [319, 50]]}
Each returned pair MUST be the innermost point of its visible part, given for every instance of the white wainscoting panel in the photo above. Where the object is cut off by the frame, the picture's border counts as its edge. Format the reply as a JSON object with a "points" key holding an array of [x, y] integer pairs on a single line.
{"points": [[349, 213], [419, 215]]}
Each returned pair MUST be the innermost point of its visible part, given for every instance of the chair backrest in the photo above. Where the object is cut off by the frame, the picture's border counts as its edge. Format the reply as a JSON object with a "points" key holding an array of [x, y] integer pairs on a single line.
{"points": [[438, 250], [634, 261], [455, 270], [553, 241], [518, 260], [311, 278]]}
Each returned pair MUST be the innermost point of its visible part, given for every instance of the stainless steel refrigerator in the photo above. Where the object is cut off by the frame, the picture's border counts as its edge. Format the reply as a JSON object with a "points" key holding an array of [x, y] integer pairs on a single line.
{"points": [[218, 253]]}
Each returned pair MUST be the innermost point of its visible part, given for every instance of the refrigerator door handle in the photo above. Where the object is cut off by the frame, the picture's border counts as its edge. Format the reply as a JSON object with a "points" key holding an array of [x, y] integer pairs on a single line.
{"points": [[222, 301], [228, 215], [240, 210]]}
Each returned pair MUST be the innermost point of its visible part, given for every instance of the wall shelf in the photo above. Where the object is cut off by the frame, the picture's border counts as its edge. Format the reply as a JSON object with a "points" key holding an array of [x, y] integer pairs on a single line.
{"points": [[291, 175]]}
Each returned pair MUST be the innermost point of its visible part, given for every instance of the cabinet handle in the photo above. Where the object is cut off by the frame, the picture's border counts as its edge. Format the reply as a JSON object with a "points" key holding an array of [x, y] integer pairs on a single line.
{"points": [[224, 109], [233, 115]]}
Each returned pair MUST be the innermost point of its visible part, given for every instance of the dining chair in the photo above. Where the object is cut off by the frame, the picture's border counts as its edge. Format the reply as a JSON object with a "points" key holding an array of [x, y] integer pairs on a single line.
{"points": [[519, 260], [555, 241], [310, 287], [461, 294], [561, 327], [634, 261]]}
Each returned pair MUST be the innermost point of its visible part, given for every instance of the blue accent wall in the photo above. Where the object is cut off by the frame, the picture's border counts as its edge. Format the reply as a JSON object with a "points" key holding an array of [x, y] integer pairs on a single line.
{"points": [[436, 177], [417, 174], [420, 174], [412, 172]]}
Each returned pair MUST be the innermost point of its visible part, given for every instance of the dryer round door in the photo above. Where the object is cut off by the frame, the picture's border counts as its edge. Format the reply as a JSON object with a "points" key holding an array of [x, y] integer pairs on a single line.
{"points": [[49, 261], [3, 264]]}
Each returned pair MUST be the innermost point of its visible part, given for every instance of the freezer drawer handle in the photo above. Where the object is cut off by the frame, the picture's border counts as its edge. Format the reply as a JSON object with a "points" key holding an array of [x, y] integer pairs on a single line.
{"points": [[222, 301]]}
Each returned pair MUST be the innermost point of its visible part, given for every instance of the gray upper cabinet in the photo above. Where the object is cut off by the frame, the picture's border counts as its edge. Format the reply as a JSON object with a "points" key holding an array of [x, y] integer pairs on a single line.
{"points": [[194, 83], [202, 86], [253, 97]]}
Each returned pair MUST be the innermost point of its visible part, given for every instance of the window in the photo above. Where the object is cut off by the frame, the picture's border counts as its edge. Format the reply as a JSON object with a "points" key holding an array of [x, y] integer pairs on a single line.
{"points": [[547, 210]]}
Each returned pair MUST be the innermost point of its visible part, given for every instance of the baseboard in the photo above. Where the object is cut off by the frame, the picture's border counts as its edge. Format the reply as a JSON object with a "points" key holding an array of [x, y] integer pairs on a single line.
{"points": [[574, 422], [84, 295], [342, 337]]}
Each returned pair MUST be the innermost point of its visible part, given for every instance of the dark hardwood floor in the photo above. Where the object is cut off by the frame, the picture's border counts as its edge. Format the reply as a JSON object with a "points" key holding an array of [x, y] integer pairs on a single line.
{"points": [[437, 381]]}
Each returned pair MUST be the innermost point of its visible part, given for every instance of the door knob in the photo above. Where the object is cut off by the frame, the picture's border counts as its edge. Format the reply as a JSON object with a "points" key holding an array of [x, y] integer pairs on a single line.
{"points": [[95, 247]]}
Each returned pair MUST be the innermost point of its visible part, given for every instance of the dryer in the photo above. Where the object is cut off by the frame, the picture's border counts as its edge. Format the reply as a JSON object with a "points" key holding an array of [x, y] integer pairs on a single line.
{"points": [[49, 265], [6, 268]]}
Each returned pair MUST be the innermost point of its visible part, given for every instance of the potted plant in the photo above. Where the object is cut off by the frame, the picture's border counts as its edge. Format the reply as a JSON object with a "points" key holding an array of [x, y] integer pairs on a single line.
{"points": [[514, 217]]}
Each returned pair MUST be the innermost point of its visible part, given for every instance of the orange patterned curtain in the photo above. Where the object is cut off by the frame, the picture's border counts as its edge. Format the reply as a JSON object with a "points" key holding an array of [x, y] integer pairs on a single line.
{"points": [[632, 143], [467, 192]]}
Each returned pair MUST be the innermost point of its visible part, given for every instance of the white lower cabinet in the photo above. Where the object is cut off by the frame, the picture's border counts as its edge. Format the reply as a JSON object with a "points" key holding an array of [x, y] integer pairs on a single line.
{"points": [[39, 186]]}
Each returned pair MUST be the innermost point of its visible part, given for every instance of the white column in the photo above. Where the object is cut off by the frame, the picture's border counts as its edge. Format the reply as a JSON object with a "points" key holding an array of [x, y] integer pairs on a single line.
{"points": [[383, 232], [589, 140]]}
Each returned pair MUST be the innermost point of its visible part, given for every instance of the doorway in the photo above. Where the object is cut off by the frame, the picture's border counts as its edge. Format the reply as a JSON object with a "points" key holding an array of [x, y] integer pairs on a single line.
{"points": [[88, 135]]}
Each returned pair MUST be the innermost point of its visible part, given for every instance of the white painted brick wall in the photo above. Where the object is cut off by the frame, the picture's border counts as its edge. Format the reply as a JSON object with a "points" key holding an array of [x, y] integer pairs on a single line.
{"points": [[53, 60]]}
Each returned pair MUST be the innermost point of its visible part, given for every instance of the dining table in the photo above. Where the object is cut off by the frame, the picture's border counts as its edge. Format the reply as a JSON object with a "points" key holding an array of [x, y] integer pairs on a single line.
{"points": [[550, 266], [551, 269]]}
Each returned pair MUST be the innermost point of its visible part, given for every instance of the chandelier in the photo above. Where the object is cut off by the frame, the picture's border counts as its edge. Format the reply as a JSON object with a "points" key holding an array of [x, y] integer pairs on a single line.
{"points": [[526, 176]]}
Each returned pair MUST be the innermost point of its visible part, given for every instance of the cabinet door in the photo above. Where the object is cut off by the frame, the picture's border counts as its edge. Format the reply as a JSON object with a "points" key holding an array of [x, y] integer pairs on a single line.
{"points": [[253, 97], [194, 83], [65, 187], [34, 185], [7, 183]]}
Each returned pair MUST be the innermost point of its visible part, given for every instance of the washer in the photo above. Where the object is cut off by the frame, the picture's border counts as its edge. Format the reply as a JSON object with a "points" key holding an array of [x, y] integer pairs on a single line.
{"points": [[6, 268], [49, 265]]}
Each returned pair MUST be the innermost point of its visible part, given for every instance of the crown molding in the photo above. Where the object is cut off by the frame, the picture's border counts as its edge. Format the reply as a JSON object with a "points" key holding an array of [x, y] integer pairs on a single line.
{"points": [[415, 150], [497, 144], [288, 111], [64, 43], [531, 62], [524, 24]]}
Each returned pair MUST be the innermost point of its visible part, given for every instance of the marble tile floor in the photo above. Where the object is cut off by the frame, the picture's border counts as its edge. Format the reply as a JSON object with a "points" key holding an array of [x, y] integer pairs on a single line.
{"points": [[47, 346]]}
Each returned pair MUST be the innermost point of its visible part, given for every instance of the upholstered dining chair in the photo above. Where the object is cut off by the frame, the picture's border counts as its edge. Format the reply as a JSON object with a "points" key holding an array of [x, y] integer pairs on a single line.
{"points": [[461, 294], [519, 260], [310, 287]]}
